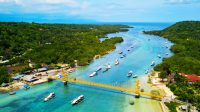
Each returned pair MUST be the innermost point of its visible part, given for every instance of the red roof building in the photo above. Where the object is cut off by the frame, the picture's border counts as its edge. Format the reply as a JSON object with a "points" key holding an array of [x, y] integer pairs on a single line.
{"points": [[191, 77]]}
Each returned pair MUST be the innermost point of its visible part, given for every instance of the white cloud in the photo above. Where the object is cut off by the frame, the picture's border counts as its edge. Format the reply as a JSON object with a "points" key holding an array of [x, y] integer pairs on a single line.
{"points": [[181, 1]]}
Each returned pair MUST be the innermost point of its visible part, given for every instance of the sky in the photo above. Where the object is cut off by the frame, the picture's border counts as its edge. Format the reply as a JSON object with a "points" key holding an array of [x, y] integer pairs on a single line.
{"points": [[77, 11]]}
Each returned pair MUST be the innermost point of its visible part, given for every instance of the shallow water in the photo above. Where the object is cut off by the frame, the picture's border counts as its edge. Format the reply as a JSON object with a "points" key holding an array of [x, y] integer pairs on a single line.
{"points": [[138, 60]]}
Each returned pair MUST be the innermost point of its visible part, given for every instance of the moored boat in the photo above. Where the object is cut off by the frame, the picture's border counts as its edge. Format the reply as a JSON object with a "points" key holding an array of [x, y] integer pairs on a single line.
{"points": [[116, 62], [135, 76], [77, 100], [120, 52], [159, 56], [153, 63], [50, 96], [99, 69], [93, 74], [130, 73], [12, 93]]}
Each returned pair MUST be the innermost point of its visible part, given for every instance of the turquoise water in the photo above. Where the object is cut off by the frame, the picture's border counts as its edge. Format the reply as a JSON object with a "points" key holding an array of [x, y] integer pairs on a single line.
{"points": [[138, 60]]}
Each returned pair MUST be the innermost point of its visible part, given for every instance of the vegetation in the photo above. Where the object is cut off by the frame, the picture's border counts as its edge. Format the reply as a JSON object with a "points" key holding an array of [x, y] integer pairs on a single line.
{"points": [[172, 106], [186, 59], [4, 76], [185, 91], [186, 50], [54, 43]]}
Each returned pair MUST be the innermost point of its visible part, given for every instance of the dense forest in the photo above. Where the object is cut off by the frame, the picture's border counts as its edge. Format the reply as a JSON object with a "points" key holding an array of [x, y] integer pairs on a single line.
{"points": [[186, 58], [55, 43]]}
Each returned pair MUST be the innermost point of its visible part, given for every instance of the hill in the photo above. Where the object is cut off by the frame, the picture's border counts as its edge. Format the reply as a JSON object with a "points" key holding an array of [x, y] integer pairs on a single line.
{"points": [[186, 49]]}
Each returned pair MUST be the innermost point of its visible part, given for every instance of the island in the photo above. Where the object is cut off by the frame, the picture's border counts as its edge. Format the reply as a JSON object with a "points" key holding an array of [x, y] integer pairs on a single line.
{"points": [[28, 46]]}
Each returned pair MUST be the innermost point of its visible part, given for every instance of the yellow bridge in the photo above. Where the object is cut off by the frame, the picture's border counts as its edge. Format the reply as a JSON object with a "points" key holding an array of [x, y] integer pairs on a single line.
{"points": [[135, 91]]}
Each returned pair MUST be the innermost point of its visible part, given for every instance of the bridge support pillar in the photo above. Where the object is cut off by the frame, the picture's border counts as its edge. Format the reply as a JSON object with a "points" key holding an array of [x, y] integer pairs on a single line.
{"points": [[65, 82], [137, 96]]}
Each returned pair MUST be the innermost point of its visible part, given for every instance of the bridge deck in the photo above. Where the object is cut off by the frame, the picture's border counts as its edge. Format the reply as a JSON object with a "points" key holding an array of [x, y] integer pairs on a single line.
{"points": [[133, 91]]}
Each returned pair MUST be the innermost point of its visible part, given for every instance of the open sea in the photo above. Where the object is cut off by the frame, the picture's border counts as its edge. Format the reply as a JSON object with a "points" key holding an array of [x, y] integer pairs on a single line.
{"points": [[145, 50]]}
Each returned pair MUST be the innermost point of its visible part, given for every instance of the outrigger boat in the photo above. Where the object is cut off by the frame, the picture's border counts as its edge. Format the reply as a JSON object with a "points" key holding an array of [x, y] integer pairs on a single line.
{"points": [[93, 74], [130, 73], [77, 100], [50, 96]]}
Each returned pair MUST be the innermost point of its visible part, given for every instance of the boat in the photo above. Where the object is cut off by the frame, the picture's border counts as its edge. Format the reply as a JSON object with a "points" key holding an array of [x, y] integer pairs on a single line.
{"points": [[121, 56], [128, 49], [131, 46], [108, 66], [159, 56], [12, 93], [93, 74], [116, 62], [50, 96], [147, 71], [120, 52], [153, 63], [124, 55], [135, 76], [167, 53], [77, 100], [98, 69], [130, 73]]}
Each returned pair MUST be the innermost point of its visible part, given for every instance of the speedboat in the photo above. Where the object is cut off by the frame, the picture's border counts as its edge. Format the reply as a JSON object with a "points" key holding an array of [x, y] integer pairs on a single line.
{"points": [[93, 74], [116, 62], [128, 49], [124, 55], [50, 96], [98, 69], [77, 100], [153, 63], [12, 93], [130, 73]]}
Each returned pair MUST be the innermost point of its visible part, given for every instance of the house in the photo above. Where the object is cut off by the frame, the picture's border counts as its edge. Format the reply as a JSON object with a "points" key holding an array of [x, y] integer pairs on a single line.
{"points": [[191, 77], [18, 77], [42, 69]]}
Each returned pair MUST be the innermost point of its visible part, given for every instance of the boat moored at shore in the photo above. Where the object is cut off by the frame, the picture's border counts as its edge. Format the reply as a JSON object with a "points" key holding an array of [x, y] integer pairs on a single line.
{"points": [[77, 100], [50, 96]]}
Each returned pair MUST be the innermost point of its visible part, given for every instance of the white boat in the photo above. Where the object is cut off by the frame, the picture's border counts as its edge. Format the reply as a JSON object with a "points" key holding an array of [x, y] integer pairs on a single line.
{"points": [[120, 52], [135, 76], [50, 96], [159, 56], [116, 62], [98, 69], [130, 73], [77, 100], [108, 66], [93, 74], [153, 63], [147, 71], [12, 93]]}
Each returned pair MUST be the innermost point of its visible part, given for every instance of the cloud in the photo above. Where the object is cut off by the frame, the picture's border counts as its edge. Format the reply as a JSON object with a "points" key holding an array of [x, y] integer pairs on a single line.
{"points": [[181, 1]]}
